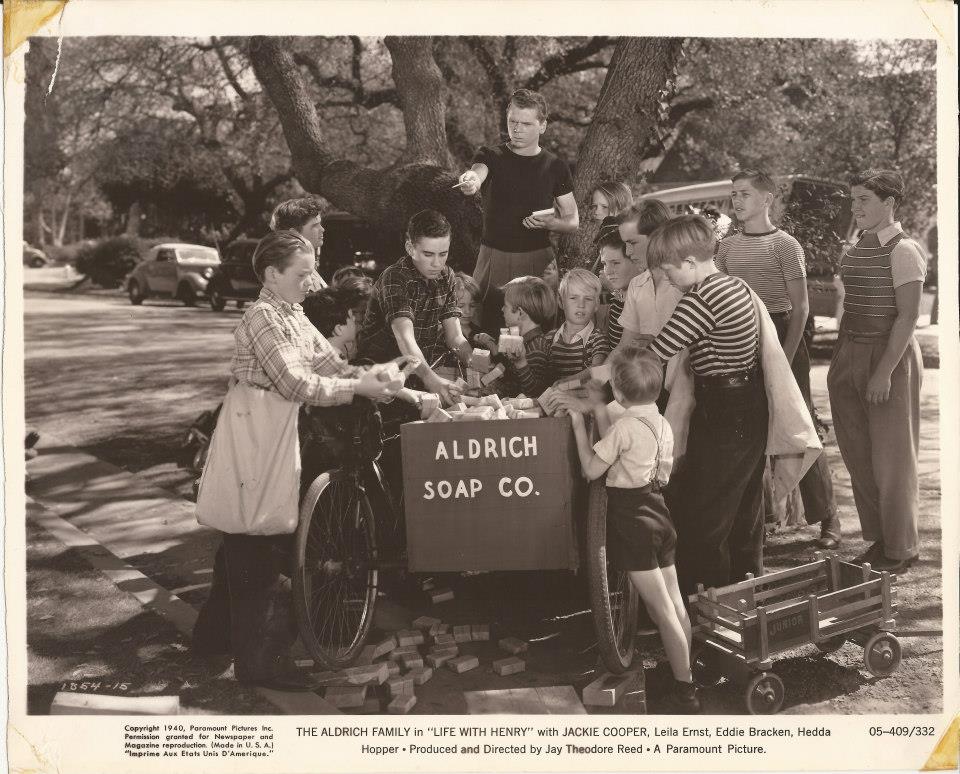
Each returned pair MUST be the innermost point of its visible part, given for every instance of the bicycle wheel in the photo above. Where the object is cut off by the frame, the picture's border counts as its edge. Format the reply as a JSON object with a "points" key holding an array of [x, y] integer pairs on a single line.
{"points": [[612, 596], [335, 580]]}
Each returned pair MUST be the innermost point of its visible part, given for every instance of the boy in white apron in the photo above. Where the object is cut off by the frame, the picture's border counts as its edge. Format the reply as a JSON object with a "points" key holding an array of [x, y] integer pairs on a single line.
{"points": [[250, 485]]}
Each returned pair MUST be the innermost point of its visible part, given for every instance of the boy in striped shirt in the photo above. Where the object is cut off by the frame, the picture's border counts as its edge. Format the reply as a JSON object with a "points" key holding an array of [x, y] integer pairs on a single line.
{"points": [[772, 263], [579, 343], [530, 305], [716, 497]]}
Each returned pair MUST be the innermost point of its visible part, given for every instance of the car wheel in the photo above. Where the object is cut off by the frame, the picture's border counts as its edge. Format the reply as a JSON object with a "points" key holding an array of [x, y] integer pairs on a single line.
{"points": [[217, 301], [135, 293], [37, 262], [187, 294]]}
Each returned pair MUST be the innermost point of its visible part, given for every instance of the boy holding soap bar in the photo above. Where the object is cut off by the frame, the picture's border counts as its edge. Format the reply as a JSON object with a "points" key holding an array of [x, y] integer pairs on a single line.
{"points": [[529, 306]]}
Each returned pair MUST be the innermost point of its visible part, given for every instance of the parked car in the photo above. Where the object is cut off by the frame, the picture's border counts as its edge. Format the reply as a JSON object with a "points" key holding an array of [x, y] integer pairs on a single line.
{"points": [[234, 279], [173, 270], [34, 258], [347, 241]]}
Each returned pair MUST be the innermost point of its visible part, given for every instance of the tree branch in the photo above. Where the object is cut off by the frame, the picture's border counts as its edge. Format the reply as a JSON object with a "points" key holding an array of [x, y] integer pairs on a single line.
{"points": [[227, 70], [568, 61]]}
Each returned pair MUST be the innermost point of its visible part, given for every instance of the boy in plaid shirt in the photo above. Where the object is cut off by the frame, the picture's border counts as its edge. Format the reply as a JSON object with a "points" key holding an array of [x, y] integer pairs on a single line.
{"points": [[413, 309]]}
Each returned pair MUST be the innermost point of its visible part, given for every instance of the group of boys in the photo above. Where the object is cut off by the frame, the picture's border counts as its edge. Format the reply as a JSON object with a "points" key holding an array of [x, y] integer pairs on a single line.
{"points": [[675, 291]]}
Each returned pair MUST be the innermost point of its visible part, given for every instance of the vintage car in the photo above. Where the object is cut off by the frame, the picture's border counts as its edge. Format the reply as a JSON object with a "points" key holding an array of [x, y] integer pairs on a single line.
{"points": [[347, 241], [173, 270]]}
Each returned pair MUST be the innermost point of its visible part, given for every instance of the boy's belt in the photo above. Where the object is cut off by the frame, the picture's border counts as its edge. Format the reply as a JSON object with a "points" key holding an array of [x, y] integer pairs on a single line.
{"points": [[865, 338], [733, 379]]}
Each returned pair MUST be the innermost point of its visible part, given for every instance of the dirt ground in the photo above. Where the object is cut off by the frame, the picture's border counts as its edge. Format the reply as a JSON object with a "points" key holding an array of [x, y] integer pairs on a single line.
{"points": [[123, 383]]}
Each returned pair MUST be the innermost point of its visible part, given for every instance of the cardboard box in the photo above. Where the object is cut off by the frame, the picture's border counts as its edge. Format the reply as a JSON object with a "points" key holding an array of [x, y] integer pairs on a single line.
{"points": [[491, 495]]}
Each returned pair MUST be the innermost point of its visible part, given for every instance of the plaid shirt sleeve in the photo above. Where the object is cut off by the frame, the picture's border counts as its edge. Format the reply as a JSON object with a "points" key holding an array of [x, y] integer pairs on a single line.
{"points": [[450, 307], [394, 298], [287, 367]]}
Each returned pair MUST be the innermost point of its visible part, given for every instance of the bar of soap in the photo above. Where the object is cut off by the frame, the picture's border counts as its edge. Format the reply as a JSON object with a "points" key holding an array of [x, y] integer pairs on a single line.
{"points": [[513, 645], [420, 675], [480, 360], [480, 632], [424, 622], [492, 375], [462, 664], [510, 344], [492, 401], [509, 666], [402, 704], [429, 403], [439, 415]]}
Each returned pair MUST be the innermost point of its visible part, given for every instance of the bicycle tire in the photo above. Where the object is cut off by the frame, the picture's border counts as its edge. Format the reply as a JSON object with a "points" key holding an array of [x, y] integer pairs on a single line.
{"points": [[334, 578], [613, 598]]}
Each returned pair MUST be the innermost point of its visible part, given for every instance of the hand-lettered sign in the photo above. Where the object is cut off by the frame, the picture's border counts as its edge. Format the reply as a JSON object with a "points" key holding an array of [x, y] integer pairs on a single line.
{"points": [[490, 495]]}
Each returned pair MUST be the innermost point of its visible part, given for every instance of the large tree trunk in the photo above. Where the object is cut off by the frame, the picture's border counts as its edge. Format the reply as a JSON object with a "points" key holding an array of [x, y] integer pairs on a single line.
{"points": [[388, 197], [420, 88], [627, 115]]}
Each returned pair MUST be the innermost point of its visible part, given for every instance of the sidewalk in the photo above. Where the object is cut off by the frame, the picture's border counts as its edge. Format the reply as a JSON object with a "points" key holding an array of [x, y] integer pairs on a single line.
{"points": [[112, 564]]}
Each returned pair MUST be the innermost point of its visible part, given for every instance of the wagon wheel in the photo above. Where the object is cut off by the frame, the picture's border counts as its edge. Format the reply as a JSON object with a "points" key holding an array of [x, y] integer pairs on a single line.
{"points": [[705, 667], [613, 597], [764, 694], [882, 654], [334, 578]]}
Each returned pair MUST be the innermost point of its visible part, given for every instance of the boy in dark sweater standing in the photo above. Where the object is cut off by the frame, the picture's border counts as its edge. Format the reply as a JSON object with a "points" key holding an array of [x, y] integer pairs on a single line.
{"points": [[716, 505], [517, 179], [772, 264]]}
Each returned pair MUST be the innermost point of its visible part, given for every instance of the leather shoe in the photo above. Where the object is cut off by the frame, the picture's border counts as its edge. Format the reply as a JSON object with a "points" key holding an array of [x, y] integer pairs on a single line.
{"points": [[827, 542], [871, 555], [284, 681], [886, 564]]}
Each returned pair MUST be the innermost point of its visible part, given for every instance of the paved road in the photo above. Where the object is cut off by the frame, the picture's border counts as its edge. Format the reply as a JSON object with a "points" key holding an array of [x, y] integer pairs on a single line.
{"points": [[122, 383]]}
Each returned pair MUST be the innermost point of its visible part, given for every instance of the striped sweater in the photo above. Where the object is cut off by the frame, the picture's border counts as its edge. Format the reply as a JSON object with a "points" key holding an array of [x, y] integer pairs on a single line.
{"points": [[869, 300], [767, 262], [534, 377], [716, 320], [570, 358]]}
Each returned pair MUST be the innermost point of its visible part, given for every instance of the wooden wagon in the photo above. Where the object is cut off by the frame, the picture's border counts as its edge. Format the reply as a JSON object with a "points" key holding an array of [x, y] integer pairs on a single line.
{"points": [[739, 628]]}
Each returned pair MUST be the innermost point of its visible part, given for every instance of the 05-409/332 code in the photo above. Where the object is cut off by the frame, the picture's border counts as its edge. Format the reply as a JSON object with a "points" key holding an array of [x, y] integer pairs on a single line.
{"points": [[901, 731]]}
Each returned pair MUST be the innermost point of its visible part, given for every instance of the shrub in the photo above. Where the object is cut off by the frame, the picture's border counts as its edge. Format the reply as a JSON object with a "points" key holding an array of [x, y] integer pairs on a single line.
{"points": [[110, 260]]}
